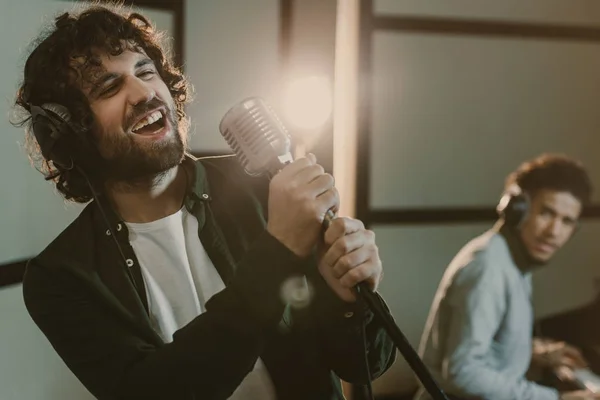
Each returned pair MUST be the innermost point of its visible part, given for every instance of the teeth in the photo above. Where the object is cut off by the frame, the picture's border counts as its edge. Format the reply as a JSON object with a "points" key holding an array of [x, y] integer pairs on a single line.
{"points": [[155, 116]]}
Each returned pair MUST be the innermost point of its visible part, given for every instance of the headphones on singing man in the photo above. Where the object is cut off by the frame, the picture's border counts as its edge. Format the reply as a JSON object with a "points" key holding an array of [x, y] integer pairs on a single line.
{"points": [[66, 144], [51, 123]]}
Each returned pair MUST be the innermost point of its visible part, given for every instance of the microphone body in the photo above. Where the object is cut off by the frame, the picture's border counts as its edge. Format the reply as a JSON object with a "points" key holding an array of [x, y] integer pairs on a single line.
{"points": [[257, 136], [263, 146], [259, 139]]}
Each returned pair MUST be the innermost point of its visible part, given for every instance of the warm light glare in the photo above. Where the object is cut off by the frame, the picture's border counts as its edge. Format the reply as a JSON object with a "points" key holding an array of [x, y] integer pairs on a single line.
{"points": [[345, 120], [307, 102]]}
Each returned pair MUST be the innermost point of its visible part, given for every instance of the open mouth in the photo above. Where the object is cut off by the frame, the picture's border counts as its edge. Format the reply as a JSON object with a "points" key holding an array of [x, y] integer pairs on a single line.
{"points": [[546, 247], [150, 124]]}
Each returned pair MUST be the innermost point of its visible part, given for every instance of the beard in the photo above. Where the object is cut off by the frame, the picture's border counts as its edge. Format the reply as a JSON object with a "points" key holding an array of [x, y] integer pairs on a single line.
{"points": [[536, 261], [128, 159]]}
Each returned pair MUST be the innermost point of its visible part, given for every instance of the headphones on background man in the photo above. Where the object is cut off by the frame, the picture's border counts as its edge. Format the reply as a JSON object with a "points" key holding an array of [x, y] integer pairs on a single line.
{"points": [[513, 206]]}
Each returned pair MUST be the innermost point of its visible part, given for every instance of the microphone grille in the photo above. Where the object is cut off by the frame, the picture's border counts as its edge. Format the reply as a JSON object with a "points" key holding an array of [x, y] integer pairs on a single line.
{"points": [[256, 135]]}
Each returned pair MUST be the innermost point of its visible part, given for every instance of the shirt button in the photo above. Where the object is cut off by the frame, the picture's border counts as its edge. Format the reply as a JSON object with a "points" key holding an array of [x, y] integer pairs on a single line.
{"points": [[349, 314], [129, 262]]}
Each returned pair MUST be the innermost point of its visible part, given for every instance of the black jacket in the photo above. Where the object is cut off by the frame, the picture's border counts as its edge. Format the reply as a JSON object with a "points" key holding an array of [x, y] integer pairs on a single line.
{"points": [[94, 311]]}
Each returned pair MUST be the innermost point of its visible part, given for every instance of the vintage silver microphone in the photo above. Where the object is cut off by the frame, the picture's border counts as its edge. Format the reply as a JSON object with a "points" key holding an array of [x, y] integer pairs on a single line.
{"points": [[259, 139], [263, 146], [257, 136]]}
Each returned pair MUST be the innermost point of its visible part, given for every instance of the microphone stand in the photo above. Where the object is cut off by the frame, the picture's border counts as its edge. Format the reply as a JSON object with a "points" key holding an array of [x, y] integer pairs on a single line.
{"points": [[402, 344]]}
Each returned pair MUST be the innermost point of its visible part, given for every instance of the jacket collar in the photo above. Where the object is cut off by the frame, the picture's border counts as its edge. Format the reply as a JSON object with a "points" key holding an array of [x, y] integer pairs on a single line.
{"points": [[198, 191]]}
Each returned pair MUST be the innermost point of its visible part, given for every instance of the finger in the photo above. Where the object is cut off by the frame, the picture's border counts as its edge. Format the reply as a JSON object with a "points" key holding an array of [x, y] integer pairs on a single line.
{"points": [[319, 184], [326, 201], [343, 245], [567, 362], [309, 174], [558, 345], [577, 361], [358, 274], [574, 354], [340, 227], [290, 170], [350, 261]]}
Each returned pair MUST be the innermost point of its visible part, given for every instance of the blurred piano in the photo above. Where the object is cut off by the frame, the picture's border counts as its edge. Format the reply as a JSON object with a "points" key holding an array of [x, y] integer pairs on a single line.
{"points": [[579, 327]]}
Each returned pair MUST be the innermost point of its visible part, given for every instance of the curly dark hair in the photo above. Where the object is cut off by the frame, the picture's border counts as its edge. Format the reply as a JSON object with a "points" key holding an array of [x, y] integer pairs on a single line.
{"points": [[555, 172], [51, 76]]}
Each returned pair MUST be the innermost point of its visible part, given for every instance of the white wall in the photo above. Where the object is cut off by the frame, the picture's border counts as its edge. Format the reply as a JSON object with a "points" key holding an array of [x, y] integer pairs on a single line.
{"points": [[452, 115], [29, 366], [447, 107], [28, 201], [232, 52]]}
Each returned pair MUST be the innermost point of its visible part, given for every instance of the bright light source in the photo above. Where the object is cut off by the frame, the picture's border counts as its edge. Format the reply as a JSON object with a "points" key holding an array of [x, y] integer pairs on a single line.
{"points": [[307, 102]]}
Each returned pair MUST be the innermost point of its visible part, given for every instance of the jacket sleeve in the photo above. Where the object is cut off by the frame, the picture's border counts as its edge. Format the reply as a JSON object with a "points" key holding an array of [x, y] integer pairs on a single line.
{"points": [[341, 335], [211, 355]]}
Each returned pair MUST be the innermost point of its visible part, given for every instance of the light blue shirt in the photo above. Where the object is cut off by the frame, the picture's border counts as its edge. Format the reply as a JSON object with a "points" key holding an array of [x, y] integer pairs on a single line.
{"points": [[477, 339]]}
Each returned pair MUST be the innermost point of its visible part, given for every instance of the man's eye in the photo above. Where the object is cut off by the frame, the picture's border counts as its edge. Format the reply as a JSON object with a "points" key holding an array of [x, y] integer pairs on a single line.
{"points": [[146, 74], [108, 90]]}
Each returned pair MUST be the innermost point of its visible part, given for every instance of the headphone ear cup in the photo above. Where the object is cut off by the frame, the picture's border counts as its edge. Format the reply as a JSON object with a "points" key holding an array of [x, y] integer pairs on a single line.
{"points": [[516, 210], [51, 123]]}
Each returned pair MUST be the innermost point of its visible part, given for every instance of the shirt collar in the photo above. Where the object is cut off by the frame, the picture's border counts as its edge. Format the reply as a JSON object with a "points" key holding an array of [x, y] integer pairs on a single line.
{"points": [[198, 191]]}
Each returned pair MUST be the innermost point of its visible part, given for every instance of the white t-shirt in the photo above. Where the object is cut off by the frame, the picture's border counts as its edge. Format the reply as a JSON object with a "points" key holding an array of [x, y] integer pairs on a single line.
{"points": [[179, 278]]}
